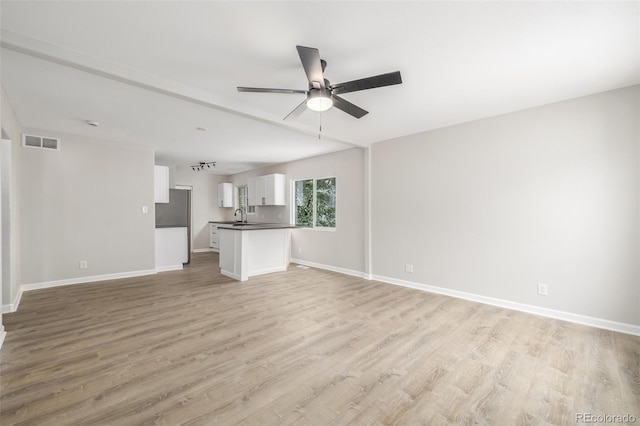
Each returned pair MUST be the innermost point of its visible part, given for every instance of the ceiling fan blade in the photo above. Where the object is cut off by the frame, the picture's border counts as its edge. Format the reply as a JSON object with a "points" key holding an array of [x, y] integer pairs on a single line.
{"points": [[348, 107], [297, 110], [268, 90], [381, 80], [310, 58]]}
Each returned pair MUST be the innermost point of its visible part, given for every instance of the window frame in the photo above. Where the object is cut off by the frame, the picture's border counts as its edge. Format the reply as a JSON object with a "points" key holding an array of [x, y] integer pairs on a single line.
{"points": [[314, 202], [249, 210]]}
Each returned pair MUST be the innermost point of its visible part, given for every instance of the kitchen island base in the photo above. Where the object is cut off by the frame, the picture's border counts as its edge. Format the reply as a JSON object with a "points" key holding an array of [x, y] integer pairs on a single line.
{"points": [[248, 252]]}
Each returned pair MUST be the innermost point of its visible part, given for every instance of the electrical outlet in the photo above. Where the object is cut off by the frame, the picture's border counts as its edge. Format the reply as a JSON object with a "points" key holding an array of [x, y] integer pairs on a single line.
{"points": [[408, 268], [543, 290], [145, 209], [83, 264]]}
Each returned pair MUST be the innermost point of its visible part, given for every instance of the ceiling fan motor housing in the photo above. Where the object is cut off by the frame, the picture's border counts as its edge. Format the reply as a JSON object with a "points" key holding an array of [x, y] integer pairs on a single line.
{"points": [[316, 84]]}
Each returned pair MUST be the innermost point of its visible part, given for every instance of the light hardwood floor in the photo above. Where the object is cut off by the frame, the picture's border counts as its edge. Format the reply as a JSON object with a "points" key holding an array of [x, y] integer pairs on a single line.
{"points": [[305, 346]]}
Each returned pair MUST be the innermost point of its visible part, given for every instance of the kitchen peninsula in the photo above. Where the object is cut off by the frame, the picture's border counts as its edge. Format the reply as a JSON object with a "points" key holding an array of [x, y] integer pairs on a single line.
{"points": [[249, 249]]}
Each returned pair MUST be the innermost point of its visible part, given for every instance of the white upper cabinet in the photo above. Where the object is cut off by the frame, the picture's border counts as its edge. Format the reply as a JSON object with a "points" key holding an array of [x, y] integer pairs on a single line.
{"points": [[274, 190], [251, 191], [161, 184], [260, 191], [225, 195], [267, 190]]}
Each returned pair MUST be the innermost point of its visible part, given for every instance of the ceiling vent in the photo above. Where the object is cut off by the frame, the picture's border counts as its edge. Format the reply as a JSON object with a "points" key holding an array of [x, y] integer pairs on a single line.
{"points": [[42, 142]]}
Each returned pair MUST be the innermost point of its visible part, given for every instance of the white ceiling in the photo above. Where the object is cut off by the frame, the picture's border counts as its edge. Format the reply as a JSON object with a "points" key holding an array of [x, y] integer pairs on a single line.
{"points": [[151, 72]]}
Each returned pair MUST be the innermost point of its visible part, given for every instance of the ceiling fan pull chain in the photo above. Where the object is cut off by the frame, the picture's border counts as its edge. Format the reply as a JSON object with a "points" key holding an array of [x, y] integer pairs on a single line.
{"points": [[319, 125]]}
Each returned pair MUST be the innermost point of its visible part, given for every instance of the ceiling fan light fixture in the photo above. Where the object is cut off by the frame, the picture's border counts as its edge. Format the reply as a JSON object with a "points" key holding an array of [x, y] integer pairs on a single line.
{"points": [[319, 100]]}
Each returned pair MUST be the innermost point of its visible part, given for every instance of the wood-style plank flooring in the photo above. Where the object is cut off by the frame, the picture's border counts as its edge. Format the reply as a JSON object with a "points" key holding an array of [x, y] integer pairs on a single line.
{"points": [[305, 346]]}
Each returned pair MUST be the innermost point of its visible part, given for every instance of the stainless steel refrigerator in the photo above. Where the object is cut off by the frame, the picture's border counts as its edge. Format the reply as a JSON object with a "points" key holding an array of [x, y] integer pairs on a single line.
{"points": [[176, 213]]}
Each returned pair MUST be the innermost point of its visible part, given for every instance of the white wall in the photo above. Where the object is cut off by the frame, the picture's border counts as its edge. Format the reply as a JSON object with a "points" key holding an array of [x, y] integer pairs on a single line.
{"points": [[494, 207], [85, 202], [11, 278], [491, 207], [204, 203], [341, 249]]}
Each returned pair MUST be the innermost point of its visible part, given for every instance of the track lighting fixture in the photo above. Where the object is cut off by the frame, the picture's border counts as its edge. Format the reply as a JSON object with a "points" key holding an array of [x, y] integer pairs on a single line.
{"points": [[202, 165]]}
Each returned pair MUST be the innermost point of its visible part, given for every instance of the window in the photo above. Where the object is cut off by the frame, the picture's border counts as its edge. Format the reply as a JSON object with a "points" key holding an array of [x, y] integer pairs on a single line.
{"points": [[315, 202], [243, 200]]}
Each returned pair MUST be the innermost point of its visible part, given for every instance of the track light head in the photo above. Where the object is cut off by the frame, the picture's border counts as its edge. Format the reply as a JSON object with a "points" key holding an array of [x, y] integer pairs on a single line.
{"points": [[203, 165]]}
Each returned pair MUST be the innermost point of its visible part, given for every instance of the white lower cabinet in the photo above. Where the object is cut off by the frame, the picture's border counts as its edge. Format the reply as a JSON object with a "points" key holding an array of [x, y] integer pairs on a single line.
{"points": [[172, 248], [247, 253], [214, 237]]}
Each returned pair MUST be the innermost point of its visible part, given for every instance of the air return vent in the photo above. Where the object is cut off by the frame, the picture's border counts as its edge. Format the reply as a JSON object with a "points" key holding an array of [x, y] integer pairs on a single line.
{"points": [[42, 142]]}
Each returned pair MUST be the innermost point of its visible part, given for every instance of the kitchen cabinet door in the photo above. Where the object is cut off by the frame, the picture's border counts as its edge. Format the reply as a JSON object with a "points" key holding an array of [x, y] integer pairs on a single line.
{"points": [[274, 189], [266, 190], [261, 191], [171, 248], [214, 240], [252, 194], [225, 195]]}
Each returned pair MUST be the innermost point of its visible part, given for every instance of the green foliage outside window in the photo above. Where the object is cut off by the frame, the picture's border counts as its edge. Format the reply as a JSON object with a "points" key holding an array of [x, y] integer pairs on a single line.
{"points": [[304, 202], [316, 199], [326, 202]]}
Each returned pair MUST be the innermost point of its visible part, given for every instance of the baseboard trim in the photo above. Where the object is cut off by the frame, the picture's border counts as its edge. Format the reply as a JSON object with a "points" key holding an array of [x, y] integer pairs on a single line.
{"points": [[267, 271], [169, 268], [85, 280], [12, 307], [522, 307], [231, 275], [3, 334], [345, 271], [204, 250]]}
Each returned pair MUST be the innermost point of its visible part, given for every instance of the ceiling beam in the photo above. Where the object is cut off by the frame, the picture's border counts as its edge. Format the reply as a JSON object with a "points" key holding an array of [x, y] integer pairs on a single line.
{"points": [[69, 58]]}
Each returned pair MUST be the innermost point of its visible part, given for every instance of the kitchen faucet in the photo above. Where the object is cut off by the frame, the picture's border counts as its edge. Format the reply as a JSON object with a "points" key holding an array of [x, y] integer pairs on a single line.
{"points": [[243, 215]]}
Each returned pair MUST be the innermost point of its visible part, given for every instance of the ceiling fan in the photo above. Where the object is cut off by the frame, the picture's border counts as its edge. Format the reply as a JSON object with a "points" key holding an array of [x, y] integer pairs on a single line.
{"points": [[322, 95]]}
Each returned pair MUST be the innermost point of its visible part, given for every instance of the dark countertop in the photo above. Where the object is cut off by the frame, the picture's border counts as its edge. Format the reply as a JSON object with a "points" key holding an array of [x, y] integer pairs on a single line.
{"points": [[256, 226], [170, 226]]}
